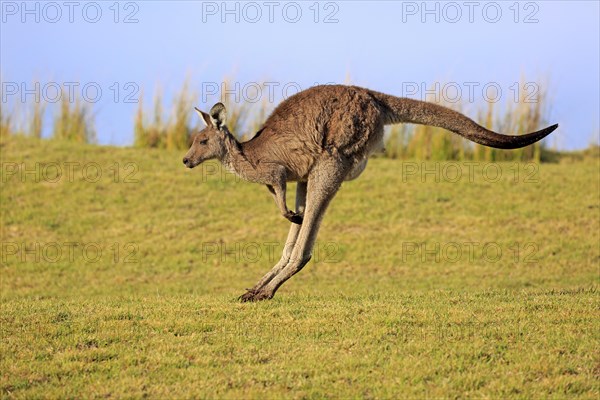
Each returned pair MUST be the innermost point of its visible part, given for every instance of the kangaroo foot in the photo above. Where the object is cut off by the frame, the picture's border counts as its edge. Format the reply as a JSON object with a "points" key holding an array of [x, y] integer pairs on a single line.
{"points": [[247, 296], [294, 217], [253, 295]]}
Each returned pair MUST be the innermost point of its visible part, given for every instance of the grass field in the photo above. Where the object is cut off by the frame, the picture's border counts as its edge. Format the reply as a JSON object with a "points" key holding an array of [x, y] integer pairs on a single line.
{"points": [[121, 268]]}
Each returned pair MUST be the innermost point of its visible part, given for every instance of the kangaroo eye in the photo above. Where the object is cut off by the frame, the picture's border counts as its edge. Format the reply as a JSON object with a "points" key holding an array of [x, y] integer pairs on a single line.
{"points": [[204, 141]]}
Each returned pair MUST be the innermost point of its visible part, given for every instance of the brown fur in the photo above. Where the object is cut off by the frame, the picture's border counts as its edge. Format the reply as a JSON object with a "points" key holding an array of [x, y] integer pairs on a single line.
{"points": [[321, 137]]}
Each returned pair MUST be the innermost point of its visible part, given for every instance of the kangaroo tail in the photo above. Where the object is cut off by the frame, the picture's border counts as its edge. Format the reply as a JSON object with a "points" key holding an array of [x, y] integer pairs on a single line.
{"points": [[398, 110]]}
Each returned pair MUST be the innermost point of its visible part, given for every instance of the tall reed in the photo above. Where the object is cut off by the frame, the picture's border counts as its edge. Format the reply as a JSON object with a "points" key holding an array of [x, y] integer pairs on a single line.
{"points": [[151, 130], [74, 120]]}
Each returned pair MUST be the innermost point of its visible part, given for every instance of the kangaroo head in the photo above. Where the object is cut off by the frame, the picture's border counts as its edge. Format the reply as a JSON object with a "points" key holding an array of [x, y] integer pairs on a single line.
{"points": [[209, 142]]}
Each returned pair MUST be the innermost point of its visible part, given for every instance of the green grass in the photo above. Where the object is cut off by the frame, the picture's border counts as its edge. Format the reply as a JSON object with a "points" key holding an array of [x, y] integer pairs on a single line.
{"points": [[369, 318]]}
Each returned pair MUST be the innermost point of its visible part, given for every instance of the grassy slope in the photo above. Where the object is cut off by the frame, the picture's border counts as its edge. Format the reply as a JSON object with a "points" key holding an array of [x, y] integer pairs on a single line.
{"points": [[368, 319]]}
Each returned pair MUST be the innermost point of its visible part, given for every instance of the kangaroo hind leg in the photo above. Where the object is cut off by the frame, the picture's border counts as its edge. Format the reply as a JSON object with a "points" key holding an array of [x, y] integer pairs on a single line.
{"points": [[287, 248], [323, 184]]}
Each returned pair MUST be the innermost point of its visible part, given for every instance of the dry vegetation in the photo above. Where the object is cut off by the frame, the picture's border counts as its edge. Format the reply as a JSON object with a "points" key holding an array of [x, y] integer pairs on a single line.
{"points": [[155, 127]]}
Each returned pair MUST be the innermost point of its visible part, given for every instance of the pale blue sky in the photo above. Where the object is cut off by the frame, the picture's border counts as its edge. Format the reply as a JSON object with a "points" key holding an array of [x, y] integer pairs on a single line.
{"points": [[382, 45]]}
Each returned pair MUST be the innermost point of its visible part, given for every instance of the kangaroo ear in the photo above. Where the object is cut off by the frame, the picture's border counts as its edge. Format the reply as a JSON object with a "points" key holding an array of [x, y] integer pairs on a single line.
{"points": [[218, 115], [205, 117]]}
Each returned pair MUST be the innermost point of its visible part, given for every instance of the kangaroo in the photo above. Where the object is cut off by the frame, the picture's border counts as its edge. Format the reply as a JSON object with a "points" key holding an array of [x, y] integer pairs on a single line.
{"points": [[319, 138]]}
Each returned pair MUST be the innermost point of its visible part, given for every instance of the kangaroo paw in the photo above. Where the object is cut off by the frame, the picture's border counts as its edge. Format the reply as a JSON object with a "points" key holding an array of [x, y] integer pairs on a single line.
{"points": [[294, 217]]}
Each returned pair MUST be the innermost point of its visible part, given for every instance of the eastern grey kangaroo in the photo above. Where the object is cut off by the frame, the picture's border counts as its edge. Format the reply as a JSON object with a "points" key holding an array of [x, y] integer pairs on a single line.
{"points": [[319, 138]]}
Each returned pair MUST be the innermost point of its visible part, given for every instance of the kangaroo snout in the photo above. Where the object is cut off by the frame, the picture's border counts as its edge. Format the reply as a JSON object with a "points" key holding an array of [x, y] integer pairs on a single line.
{"points": [[188, 162]]}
